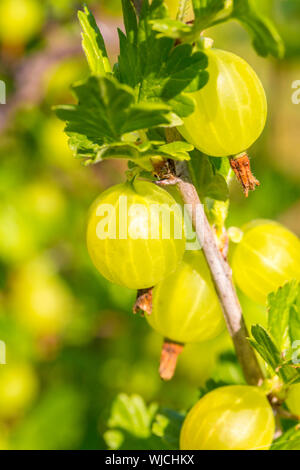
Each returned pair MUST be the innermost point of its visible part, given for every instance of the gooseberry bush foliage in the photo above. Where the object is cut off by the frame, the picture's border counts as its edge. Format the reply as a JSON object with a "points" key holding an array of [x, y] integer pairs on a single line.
{"points": [[181, 111]]}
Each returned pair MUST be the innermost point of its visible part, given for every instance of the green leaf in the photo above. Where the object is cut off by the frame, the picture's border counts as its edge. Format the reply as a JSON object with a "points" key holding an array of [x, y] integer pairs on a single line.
{"points": [[266, 347], [208, 181], [277, 348], [131, 414], [140, 154], [130, 424], [184, 71], [279, 304], [293, 371], [106, 112], [130, 20], [93, 44], [167, 426], [266, 39], [207, 11], [154, 68], [182, 105], [170, 28], [176, 150], [295, 319], [105, 122], [290, 440]]}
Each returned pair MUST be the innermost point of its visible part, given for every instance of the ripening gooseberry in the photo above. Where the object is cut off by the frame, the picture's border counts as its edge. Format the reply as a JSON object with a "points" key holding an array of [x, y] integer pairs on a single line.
{"points": [[293, 399], [185, 306], [231, 108], [236, 417], [267, 257], [135, 234], [185, 309]]}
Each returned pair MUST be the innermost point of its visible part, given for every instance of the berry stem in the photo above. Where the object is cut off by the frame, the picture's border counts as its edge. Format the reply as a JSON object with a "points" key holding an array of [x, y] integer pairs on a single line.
{"points": [[219, 269], [221, 275], [168, 360]]}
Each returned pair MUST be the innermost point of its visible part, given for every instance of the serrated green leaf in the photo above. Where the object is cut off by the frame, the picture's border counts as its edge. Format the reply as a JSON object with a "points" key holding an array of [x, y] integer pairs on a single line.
{"points": [[93, 44], [279, 305], [155, 68], [208, 182], [140, 154], [131, 414], [294, 372], [266, 347], [176, 148], [185, 71], [266, 39], [182, 71], [182, 105], [107, 110], [295, 319], [130, 20], [172, 28], [206, 13], [130, 424]]}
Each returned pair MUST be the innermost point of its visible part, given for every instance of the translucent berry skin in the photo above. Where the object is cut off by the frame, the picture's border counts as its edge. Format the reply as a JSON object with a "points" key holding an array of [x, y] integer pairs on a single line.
{"points": [[266, 258], [293, 399], [231, 109], [137, 260], [185, 305], [237, 417]]}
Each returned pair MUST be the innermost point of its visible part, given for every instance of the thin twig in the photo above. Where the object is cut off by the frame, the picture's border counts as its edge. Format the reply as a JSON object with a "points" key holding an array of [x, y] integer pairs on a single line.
{"points": [[221, 275]]}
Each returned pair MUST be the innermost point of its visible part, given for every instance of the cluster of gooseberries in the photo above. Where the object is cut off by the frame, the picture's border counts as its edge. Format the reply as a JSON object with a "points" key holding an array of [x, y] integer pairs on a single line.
{"points": [[230, 114]]}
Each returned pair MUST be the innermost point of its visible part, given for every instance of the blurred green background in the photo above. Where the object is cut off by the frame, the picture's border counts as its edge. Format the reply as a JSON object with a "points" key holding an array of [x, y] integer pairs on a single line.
{"points": [[72, 343]]}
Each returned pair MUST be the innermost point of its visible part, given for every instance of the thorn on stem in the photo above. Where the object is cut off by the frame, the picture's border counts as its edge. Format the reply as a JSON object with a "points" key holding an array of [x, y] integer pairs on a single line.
{"points": [[168, 360], [242, 170], [143, 302]]}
